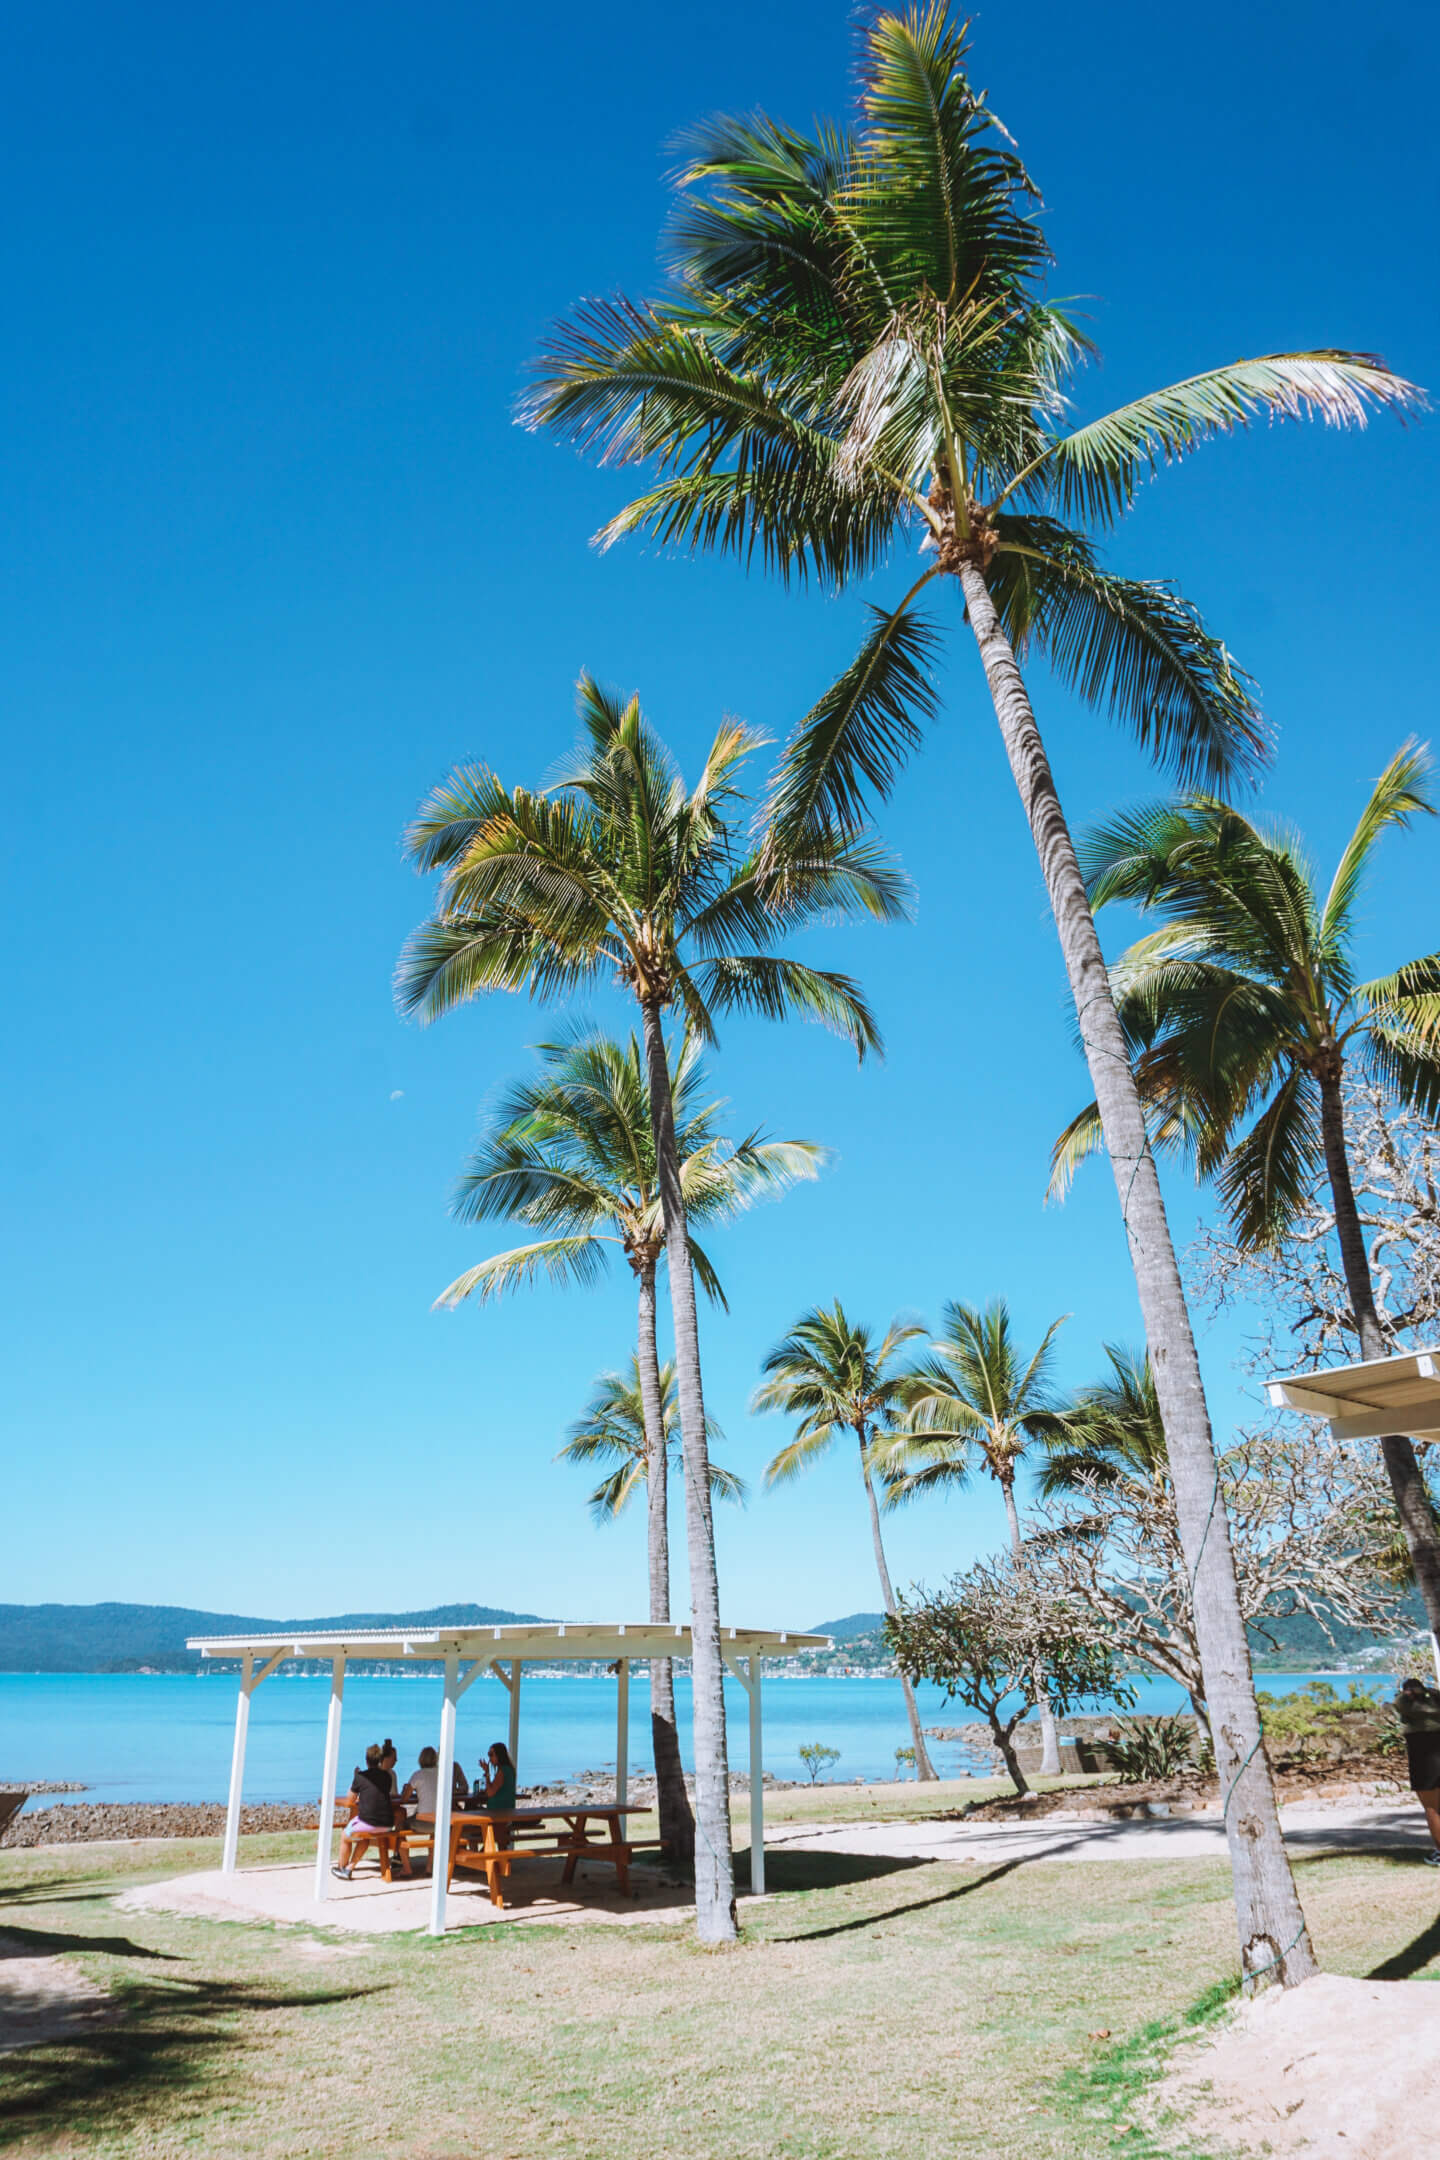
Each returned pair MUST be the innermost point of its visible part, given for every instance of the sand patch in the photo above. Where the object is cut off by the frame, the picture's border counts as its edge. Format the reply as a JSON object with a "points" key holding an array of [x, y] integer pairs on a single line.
{"points": [[1335, 2070], [42, 1999]]}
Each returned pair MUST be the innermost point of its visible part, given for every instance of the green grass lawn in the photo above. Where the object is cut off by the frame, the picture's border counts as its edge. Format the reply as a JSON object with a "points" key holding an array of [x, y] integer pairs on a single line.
{"points": [[872, 2008]]}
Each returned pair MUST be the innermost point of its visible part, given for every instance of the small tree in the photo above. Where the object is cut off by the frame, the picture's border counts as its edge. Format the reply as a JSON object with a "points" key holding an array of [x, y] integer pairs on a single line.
{"points": [[817, 1757], [987, 1636], [904, 1760]]}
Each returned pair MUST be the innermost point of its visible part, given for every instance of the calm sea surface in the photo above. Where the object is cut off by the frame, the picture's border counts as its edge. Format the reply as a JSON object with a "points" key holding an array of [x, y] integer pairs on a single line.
{"points": [[143, 1737]]}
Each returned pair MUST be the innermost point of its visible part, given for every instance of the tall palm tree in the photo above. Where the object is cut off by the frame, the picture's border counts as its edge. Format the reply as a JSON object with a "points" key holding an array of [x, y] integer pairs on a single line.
{"points": [[1241, 1014], [831, 1374], [615, 1430], [619, 871], [852, 354], [571, 1152], [977, 1399]]}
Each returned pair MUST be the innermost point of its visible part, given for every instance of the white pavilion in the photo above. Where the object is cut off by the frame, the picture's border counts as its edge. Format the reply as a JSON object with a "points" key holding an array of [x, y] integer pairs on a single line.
{"points": [[465, 1653]]}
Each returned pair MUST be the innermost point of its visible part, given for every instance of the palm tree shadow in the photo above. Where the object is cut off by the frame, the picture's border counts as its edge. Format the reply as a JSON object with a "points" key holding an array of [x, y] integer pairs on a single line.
{"points": [[151, 2043], [53, 1942], [898, 1912], [1416, 1955]]}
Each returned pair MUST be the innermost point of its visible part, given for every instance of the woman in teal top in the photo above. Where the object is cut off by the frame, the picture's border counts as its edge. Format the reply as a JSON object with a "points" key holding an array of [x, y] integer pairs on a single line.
{"points": [[497, 1796]]}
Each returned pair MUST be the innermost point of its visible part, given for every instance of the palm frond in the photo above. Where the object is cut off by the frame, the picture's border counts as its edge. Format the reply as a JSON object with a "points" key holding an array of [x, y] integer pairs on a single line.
{"points": [[1399, 795], [854, 741], [802, 1452], [937, 188], [1135, 648], [1266, 1177], [568, 1259], [779, 989], [1096, 470], [1083, 1137]]}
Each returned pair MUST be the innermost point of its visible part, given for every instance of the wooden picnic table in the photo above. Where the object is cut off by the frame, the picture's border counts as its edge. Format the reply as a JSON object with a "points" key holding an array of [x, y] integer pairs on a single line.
{"points": [[515, 1834]]}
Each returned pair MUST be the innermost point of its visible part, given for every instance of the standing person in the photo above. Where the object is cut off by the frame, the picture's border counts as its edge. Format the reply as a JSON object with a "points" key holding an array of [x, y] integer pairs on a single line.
{"points": [[1418, 1709]]}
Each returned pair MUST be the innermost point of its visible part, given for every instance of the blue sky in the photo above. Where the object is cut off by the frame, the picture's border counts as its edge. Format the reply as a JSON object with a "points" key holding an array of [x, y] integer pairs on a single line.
{"points": [[276, 556]]}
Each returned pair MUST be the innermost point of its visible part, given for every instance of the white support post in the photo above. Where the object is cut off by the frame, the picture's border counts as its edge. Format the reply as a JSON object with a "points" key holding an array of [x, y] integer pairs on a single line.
{"points": [[325, 1843], [514, 1742], [757, 1784], [622, 1733], [444, 1775], [237, 1766]]}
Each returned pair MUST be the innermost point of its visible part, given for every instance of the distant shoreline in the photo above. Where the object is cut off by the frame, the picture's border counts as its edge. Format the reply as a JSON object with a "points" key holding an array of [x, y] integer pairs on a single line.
{"points": [[639, 1670]]}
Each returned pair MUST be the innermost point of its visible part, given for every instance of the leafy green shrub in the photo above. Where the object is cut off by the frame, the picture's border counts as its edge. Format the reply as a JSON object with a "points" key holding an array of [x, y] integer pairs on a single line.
{"points": [[1316, 1724], [1146, 1748]]}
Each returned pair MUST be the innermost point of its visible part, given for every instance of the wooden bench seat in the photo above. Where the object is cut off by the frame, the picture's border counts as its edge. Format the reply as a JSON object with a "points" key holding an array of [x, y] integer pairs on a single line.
{"points": [[492, 1843]]}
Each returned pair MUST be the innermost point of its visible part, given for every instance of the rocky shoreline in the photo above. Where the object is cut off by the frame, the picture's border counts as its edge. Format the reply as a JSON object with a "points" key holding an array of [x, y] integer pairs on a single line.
{"points": [[87, 1821]]}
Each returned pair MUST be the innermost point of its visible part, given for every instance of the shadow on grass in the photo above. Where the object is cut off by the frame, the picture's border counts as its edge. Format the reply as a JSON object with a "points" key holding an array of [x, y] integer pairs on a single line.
{"points": [[835, 1870], [1421, 1951], [159, 2042], [57, 1890], [55, 1942]]}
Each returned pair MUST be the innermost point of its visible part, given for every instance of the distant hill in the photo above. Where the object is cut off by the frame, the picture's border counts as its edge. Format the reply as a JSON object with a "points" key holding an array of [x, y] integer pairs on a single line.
{"points": [[1300, 1644], [846, 1630], [123, 1638], [1297, 1644]]}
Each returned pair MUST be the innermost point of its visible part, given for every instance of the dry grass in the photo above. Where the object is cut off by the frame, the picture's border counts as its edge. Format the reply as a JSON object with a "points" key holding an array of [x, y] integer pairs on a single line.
{"points": [[873, 2009]]}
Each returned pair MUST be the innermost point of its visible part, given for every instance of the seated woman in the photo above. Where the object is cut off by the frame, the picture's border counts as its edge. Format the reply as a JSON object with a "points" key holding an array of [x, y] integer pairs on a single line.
{"points": [[374, 1813], [497, 1795], [419, 1793]]}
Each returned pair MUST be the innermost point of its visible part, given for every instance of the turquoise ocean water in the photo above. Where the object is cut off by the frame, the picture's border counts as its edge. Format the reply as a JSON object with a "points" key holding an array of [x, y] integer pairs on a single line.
{"points": [[163, 1737]]}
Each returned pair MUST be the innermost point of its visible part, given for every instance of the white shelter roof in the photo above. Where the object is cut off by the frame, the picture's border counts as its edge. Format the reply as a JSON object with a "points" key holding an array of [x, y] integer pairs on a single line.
{"points": [[553, 1642], [1399, 1394]]}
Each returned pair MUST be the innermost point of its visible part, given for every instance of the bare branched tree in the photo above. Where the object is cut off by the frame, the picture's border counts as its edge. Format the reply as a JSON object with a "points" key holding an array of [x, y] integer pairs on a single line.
{"points": [[1310, 1529], [1297, 1289]]}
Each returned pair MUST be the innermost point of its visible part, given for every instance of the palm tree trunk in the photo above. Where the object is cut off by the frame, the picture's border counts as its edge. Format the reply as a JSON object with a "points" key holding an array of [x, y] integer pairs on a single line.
{"points": [[672, 1802], [1049, 1738], [1407, 1480], [714, 1858], [1274, 1941], [924, 1768]]}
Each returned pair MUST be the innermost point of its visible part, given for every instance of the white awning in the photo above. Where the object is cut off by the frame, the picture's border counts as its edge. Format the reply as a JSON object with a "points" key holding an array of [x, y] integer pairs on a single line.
{"points": [[1399, 1394], [555, 1642]]}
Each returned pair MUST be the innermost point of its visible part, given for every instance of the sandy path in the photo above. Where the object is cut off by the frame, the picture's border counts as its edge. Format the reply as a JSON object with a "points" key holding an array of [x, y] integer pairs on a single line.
{"points": [[1336, 2070], [44, 1999], [1309, 1826]]}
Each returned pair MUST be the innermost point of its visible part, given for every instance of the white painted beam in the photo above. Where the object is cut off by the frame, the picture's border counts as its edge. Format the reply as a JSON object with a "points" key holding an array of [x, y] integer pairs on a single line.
{"points": [[622, 1733], [757, 1784], [324, 1844], [237, 1767], [444, 1780], [516, 1666], [1285, 1396], [1415, 1423]]}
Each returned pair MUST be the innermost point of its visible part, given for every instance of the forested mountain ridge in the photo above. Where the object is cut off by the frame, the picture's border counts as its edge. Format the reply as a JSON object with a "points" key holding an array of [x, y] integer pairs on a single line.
{"points": [[132, 1638]]}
